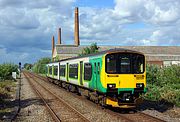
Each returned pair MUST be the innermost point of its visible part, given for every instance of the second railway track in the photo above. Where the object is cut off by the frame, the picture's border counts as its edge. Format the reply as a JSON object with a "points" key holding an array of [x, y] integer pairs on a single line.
{"points": [[59, 109]]}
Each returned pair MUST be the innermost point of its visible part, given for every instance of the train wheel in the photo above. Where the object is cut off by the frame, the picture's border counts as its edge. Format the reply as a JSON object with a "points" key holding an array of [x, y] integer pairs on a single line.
{"points": [[78, 91], [102, 101]]}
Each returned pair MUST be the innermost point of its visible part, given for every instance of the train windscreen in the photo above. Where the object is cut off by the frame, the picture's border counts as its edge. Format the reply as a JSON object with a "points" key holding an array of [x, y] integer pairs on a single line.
{"points": [[125, 63]]}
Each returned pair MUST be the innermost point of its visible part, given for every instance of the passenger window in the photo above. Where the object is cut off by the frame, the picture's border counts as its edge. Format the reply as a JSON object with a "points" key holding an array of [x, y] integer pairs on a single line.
{"points": [[87, 71], [55, 70], [62, 70], [50, 70], [73, 71]]}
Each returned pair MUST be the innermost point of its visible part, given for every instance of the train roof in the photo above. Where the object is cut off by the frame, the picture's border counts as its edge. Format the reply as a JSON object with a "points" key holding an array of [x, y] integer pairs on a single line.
{"points": [[101, 53]]}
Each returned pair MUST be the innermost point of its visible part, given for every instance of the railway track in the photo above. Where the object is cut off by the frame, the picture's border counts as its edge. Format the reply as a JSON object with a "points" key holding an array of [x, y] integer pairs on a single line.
{"points": [[150, 118], [125, 117], [58, 108], [136, 116]]}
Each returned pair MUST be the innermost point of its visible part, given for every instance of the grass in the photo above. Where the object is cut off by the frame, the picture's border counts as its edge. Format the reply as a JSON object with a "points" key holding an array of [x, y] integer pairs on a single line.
{"points": [[7, 88], [5, 110]]}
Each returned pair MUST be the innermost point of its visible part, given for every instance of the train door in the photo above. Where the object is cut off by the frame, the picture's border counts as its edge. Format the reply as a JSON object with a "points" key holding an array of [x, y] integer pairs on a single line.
{"points": [[58, 71], [52, 71], [67, 72], [95, 77], [81, 72], [96, 74]]}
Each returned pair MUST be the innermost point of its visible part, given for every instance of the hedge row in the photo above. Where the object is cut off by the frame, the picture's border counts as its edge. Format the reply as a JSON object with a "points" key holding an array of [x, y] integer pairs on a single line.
{"points": [[163, 84]]}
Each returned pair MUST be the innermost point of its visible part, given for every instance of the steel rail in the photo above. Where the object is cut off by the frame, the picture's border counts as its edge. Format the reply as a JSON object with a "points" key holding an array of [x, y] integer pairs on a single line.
{"points": [[60, 99], [147, 115], [53, 114]]}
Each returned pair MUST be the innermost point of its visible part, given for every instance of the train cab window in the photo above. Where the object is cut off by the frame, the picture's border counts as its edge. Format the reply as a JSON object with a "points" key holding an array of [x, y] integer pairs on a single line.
{"points": [[138, 63], [73, 71], [125, 66], [62, 70], [55, 70], [87, 71], [111, 64], [50, 70], [125, 63]]}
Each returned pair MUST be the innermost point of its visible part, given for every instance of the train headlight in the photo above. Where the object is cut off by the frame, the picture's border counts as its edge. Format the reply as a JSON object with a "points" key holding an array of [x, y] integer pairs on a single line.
{"points": [[139, 85], [111, 86]]}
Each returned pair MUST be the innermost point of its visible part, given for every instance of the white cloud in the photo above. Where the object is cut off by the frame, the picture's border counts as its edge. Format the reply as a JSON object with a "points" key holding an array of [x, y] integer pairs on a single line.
{"points": [[12, 57], [154, 11], [18, 18], [161, 17], [128, 8], [27, 26]]}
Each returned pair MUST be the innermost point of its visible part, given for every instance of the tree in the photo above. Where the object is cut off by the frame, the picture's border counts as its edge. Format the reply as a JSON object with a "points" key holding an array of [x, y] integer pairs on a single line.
{"points": [[40, 65], [27, 66], [89, 50]]}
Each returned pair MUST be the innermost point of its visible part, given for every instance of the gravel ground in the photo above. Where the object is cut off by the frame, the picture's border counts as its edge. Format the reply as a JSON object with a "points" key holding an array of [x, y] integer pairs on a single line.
{"points": [[32, 108], [172, 115], [93, 112], [165, 111]]}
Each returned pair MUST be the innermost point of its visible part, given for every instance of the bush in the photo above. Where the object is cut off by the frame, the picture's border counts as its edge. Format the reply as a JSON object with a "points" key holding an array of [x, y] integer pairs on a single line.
{"points": [[163, 84], [27, 66], [6, 70], [89, 50], [152, 73], [40, 66]]}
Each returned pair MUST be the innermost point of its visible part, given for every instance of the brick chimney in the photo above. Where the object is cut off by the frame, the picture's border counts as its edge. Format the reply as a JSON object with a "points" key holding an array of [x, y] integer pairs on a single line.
{"points": [[59, 36], [53, 45], [76, 27]]}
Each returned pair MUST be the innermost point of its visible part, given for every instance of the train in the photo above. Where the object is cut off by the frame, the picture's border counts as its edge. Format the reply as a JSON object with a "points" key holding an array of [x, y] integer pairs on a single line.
{"points": [[115, 77]]}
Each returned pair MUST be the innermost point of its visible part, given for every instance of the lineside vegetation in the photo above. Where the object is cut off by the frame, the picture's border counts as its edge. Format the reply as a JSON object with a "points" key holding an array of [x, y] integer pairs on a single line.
{"points": [[7, 86], [40, 66], [6, 70], [163, 84]]}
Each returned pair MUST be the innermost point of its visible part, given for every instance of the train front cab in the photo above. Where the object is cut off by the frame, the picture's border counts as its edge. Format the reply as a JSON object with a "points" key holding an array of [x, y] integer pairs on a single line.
{"points": [[125, 79]]}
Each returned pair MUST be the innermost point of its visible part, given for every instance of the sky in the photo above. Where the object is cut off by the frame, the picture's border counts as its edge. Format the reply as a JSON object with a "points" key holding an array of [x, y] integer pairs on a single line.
{"points": [[27, 26]]}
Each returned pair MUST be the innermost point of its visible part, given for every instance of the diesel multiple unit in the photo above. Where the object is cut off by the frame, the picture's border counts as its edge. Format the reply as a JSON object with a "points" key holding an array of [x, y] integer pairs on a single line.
{"points": [[115, 77]]}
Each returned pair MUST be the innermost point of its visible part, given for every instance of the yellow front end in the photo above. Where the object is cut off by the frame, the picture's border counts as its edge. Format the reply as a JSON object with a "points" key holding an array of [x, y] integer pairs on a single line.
{"points": [[123, 90], [126, 83], [125, 80]]}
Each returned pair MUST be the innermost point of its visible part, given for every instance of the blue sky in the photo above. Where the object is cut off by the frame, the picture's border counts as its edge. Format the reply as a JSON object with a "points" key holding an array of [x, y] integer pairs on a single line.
{"points": [[27, 26], [95, 3]]}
